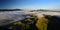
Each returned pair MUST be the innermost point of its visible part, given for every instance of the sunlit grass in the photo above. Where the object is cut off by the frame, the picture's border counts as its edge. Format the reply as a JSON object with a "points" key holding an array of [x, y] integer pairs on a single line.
{"points": [[42, 23]]}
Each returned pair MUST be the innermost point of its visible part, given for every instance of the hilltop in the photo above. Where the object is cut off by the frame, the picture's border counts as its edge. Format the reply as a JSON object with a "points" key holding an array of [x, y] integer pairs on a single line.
{"points": [[11, 10], [46, 10]]}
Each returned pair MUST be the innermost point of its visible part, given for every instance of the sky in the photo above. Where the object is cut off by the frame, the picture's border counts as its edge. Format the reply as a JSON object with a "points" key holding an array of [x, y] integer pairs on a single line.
{"points": [[30, 4]]}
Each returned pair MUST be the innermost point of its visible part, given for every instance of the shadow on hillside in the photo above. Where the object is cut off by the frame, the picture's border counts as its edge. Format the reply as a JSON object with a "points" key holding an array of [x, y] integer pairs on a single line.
{"points": [[53, 22]]}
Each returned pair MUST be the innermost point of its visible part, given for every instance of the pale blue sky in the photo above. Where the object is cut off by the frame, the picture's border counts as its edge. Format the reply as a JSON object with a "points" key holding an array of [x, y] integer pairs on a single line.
{"points": [[30, 4]]}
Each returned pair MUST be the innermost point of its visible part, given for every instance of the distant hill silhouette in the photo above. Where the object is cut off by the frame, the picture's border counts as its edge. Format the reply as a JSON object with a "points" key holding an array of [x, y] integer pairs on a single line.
{"points": [[46, 10], [11, 10]]}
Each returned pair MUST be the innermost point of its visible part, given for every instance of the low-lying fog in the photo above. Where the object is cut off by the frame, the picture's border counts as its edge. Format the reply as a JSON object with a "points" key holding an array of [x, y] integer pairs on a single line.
{"points": [[12, 16]]}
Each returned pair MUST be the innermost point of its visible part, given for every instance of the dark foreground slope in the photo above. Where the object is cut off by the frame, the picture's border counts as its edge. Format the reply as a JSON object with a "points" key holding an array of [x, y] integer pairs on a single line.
{"points": [[53, 22]]}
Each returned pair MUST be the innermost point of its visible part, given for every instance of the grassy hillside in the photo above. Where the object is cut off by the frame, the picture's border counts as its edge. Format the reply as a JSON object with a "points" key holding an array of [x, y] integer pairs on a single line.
{"points": [[42, 23], [31, 22]]}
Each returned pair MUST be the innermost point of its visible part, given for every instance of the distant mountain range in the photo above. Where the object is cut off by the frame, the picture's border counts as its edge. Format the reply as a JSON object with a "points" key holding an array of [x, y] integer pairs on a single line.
{"points": [[45, 10], [11, 10]]}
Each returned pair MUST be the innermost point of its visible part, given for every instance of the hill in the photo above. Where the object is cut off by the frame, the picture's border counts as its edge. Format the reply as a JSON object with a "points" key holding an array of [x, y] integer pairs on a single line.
{"points": [[45, 10], [10, 9]]}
